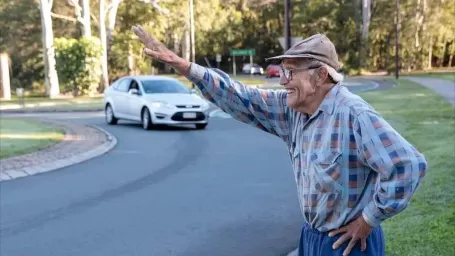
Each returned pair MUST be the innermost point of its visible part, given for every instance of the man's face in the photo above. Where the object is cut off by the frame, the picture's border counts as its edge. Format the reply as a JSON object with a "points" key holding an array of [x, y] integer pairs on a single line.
{"points": [[300, 87]]}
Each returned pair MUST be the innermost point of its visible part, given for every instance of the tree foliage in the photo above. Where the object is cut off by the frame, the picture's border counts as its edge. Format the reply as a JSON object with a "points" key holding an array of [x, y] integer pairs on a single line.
{"points": [[427, 37]]}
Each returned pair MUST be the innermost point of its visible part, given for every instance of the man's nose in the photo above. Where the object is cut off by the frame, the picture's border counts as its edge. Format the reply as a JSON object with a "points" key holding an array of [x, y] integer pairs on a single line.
{"points": [[283, 80]]}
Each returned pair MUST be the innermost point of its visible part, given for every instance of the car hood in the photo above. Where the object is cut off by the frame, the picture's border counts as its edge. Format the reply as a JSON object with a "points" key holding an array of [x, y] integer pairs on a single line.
{"points": [[175, 98]]}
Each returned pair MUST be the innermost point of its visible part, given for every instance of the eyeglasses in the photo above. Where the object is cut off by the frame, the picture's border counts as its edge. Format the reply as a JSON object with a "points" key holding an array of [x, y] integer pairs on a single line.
{"points": [[287, 73]]}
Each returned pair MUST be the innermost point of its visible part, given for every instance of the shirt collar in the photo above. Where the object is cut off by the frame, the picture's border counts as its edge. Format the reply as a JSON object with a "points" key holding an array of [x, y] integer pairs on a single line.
{"points": [[328, 104]]}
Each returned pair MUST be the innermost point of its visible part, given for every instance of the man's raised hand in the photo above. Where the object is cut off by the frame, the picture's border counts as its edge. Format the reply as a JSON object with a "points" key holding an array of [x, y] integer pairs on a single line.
{"points": [[156, 50]]}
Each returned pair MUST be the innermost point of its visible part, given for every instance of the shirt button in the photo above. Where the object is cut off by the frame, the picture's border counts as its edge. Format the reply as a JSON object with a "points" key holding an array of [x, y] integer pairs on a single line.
{"points": [[314, 156]]}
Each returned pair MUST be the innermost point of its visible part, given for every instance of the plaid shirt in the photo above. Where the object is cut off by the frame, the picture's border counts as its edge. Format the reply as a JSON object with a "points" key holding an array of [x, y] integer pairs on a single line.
{"points": [[347, 160]]}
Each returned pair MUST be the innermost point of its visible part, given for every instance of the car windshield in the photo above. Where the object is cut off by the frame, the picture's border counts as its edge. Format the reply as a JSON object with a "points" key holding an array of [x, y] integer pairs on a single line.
{"points": [[163, 86]]}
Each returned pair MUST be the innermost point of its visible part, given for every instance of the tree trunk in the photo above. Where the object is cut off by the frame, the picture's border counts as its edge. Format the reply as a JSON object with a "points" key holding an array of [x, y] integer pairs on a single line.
{"points": [[452, 52], [366, 17], [193, 43], [4, 68], [420, 19], [86, 18], [387, 56], [430, 52], [444, 48], [186, 51], [358, 29], [111, 24], [131, 68], [50, 73], [102, 25]]}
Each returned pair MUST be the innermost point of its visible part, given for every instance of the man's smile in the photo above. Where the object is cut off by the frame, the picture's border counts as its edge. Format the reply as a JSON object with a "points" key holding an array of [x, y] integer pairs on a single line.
{"points": [[290, 91]]}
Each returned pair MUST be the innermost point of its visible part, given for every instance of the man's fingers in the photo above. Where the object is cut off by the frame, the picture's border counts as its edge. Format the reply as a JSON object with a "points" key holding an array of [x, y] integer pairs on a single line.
{"points": [[350, 246], [150, 53], [143, 36], [335, 232], [340, 241], [363, 244], [138, 31]]}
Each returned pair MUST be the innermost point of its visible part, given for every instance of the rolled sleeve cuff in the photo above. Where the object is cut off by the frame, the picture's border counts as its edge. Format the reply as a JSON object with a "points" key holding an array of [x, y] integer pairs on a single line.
{"points": [[196, 73], [369, 216]]}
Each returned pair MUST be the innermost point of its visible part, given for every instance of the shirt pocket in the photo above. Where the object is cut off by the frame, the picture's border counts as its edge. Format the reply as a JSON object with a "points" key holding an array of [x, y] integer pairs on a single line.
{"points": [[325, 170]]}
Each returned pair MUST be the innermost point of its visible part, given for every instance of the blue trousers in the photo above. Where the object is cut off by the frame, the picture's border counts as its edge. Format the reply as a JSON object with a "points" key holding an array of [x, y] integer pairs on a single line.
{"points": [[316, 243]]}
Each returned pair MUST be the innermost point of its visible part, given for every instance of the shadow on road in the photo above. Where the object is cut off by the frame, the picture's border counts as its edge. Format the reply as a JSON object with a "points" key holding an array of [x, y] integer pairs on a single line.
{"points": [[179, 128], [277, 239]]}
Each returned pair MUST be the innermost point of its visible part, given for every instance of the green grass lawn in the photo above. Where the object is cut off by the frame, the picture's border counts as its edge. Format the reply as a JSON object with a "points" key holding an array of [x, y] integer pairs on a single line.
{"points": [[445, 76], [427, 226], [41, 103], [18, 136]]}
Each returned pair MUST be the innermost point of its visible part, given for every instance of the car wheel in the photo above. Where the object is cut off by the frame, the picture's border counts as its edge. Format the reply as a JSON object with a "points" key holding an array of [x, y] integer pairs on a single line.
{"points": [[201, 126], [109, 113], [146, 119]]}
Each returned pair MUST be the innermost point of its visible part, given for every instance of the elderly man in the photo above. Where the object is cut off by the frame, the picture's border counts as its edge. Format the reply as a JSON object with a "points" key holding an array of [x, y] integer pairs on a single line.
{"points": [[352, 169]]}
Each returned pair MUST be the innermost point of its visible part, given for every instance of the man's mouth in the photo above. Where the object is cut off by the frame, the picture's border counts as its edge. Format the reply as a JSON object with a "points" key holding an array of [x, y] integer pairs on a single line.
{"points": [[290, 90]]}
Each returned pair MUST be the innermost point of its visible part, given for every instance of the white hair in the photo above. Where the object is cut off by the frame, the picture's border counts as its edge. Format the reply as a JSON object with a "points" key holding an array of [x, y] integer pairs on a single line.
{"points": [[336, 77]]}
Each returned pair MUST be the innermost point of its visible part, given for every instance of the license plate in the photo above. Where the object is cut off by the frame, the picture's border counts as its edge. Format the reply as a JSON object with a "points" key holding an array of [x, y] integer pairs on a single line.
{"points": [[189, 115]]}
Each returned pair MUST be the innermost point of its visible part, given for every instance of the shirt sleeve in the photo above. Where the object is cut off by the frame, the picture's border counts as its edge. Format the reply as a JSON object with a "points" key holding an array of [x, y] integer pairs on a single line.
{"points": [[263, 109], [399, 165]]}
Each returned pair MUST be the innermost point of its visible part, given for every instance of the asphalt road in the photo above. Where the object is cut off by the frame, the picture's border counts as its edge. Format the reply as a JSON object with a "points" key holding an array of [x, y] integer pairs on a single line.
{"points": [[227, 190]]}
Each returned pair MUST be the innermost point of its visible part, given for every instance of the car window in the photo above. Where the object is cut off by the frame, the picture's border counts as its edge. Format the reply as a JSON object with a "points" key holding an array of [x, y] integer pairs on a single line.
{"points": [[114, 84], [133, 85], [123, 85], [164, 86]]}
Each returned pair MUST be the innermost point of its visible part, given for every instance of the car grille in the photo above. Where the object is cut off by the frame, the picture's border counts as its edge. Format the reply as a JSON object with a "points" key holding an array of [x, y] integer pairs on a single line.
{"points": [[187, 106], [179, 117]]}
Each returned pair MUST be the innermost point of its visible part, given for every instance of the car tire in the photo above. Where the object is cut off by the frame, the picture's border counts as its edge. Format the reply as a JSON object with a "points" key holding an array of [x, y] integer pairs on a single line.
{"points": [[201, 126], [109, 115], [146, 119]]}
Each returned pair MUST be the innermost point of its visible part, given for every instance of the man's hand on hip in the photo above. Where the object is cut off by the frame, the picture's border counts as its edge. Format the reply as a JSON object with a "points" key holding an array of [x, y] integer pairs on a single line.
{"points": [[155, 49], [355, 231]]}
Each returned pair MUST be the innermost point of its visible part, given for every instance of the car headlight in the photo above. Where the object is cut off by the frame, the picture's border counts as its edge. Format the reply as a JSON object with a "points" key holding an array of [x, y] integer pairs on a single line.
{"points": [[205, 105], [160, 104]]}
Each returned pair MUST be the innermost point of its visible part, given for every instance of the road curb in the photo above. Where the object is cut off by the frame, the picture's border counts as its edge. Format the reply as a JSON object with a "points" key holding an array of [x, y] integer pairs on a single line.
{"points": [[55, 165]]}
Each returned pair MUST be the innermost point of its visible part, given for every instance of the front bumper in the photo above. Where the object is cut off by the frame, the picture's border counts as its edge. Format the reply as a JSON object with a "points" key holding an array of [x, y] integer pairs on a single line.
{"points": [[180, 116]]}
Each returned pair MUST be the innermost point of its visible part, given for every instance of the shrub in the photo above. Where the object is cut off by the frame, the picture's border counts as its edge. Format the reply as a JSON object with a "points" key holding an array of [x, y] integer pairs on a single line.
{"points": [[78, 65]]}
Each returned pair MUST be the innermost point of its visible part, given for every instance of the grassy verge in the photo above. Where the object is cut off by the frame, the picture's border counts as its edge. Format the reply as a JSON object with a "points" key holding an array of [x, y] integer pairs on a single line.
{"points": [[445, 76], [18, 136], [53, 104], [427, 226]]}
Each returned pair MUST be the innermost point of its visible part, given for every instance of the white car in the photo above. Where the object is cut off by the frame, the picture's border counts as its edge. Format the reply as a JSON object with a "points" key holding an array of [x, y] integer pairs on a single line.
{"points": [[154, 100]]}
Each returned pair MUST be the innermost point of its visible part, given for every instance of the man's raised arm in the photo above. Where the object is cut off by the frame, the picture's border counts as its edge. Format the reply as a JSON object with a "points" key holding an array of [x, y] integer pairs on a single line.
{"points": [[264, 109]]}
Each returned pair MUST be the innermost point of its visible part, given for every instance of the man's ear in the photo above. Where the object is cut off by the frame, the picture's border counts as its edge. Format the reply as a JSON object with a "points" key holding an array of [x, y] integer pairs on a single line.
{"points": [[322, 74]]}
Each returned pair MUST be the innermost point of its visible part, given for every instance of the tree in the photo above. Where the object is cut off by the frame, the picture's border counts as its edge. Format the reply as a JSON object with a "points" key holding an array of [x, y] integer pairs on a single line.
{"points": [[102, 25], [50, 73]]}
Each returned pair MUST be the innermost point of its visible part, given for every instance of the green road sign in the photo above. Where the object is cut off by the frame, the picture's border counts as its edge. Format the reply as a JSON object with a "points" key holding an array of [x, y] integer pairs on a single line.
{"points": [[242, 52]]}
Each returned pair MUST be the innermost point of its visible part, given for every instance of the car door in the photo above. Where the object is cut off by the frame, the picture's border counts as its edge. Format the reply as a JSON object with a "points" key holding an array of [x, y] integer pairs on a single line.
{"points": [[121, 105], [134, 101]]}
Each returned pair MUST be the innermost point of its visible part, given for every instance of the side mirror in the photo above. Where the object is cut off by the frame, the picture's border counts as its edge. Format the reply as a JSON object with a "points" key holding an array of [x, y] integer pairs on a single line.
{"points": [[134, 92]]}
